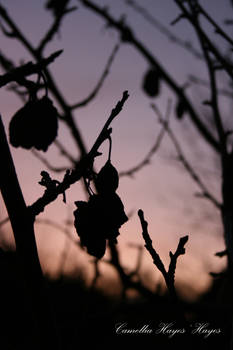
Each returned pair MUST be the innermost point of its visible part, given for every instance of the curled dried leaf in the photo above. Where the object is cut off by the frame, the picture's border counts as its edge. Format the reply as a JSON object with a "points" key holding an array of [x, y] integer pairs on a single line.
{"points": [[107, 180], [151, 83], [97, 220], [34, 125]]}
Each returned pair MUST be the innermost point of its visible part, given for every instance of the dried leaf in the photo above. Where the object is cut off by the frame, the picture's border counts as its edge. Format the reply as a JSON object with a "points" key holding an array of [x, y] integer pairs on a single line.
{"points": [[151, 83]]}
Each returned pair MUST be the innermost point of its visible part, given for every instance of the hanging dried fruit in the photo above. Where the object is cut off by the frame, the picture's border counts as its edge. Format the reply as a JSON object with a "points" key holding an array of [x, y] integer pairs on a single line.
{"points": [[34, 125], [107, 180], [97, 220], [151, 82], [100, 219]]}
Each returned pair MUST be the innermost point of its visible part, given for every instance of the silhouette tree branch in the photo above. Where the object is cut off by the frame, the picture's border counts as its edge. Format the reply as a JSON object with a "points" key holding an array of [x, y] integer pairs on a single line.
{"points": [[64, 151], [100, 82], [184, 161], [213, 85], [16, 33], [142, 11], [75, 175], [199, 81], [18, 74], [169, 276], [127, 279], [218, 29], [53, 29], [47, 163], [211, 47], [128, 36], [23, 230], [147, 159]]}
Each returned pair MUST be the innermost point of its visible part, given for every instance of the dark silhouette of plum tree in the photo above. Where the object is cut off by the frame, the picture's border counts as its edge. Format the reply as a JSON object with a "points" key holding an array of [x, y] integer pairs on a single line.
{"points": [[35, 126]]}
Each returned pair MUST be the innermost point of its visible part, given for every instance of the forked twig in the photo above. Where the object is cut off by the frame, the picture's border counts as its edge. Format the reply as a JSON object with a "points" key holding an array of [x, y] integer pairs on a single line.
{"points": [[169, 276]]}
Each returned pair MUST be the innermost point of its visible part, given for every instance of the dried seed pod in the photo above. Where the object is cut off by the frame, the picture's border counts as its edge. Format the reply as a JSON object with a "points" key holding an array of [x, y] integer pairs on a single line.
{"points": [[34, 125], [107, 180], [151, 83]]}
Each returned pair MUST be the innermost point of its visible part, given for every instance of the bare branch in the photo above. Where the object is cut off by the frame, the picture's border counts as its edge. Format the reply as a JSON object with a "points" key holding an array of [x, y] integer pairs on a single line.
{"points": [[53, 29], [169, 276], [75, 175], [200, 81], [227, 66], [126, 279], [55, 225], [213, 84], [163, 29], [180, 250], [64, 152], [139, 259], [100, 82], [69, 119], [185, 162], [146, 160], [27, 69], [148, 245], [128, 36], [47, 163], [218, 29]]}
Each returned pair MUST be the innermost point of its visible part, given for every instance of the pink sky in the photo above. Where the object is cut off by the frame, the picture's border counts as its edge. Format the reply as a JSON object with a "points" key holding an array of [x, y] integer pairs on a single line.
{"points": [[162, 189]]}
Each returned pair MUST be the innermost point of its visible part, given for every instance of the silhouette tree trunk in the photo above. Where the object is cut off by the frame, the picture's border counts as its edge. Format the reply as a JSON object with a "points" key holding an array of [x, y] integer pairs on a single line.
{"points": [[23, 229]]}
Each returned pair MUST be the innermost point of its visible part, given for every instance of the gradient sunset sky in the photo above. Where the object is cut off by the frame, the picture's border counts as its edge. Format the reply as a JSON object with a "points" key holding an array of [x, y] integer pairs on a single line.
{"points": [[162, 189]]}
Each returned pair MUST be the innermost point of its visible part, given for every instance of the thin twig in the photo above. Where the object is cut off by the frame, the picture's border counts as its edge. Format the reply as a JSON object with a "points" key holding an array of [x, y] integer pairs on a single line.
{"points": [[169, 276], [163, 29], [146, 160], [100, 82], [52, 30], [204, 83], [128, 36], [27, 69], [227, 66], [64, 151], [47, 163], [218, 29], [185, 162], [213, 83], [126, 279]]}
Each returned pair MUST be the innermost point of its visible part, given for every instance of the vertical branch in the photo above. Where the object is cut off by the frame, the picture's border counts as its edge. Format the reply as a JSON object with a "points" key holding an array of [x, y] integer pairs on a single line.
{"points": [[169, 276], [23, 230]]}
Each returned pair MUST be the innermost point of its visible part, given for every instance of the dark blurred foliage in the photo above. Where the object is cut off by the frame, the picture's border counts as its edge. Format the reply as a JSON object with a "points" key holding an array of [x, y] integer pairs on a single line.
{"points": [[87, 317]]}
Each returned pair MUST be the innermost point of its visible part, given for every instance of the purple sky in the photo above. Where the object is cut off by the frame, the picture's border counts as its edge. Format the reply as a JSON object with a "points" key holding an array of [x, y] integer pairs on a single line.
{"points": [[161, 189]]}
